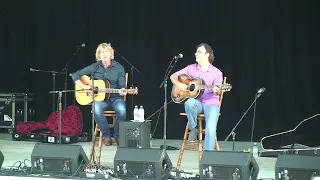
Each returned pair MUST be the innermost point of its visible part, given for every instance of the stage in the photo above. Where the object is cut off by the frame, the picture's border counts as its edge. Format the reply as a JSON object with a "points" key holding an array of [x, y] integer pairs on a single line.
{"points": [[14, 151]]}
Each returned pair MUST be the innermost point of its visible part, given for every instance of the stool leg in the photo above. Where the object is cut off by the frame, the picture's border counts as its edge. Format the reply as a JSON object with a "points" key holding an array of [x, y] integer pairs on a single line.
{"points": [[93, 144], [99, 149], [217, 144], [200, 139], [185, 136]]}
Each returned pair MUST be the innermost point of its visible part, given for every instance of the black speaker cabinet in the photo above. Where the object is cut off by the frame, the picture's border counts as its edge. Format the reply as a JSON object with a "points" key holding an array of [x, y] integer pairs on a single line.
{"points": [[58, 158], [1, 159], [296, 167], [228, 165], [135, 163], [135, 134]]}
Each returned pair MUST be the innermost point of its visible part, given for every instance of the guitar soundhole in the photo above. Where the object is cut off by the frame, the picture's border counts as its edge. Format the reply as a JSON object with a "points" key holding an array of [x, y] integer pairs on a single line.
{"points": [[192, 87], [95, 90]]}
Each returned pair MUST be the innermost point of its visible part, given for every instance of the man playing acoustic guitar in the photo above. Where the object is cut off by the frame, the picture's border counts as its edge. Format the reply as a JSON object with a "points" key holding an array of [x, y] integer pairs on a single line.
{"points": [[208, 103], [106, 69]]}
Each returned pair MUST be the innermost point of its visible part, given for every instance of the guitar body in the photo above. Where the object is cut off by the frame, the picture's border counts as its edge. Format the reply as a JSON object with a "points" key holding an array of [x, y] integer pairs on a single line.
{"points": [[85, 98], [180, 96], [101, 88]]}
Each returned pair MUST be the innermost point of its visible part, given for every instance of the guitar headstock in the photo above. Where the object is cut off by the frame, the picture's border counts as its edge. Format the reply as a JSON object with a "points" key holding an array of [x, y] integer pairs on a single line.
{"points": [[226, 87], [132, 90]]}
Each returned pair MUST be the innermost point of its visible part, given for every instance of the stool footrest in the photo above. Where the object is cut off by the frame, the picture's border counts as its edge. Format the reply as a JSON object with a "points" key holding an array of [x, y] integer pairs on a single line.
{"points": [[197, 145], [193, 143]]}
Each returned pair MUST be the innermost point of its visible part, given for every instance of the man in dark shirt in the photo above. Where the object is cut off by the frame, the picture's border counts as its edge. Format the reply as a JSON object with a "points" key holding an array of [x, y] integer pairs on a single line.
{"points": [[106, 69]]}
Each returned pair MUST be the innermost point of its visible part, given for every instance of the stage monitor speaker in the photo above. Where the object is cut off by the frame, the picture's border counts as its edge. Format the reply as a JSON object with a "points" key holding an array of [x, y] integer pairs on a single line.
{"points": [[228, 165], [58, 159], [135, 134], [1, 159], [297, 167], [136, 163]]}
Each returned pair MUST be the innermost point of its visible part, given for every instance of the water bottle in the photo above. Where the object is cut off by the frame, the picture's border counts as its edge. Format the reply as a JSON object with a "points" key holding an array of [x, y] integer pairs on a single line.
{"points": [[255, 150], [136, 113], [141, 113]]}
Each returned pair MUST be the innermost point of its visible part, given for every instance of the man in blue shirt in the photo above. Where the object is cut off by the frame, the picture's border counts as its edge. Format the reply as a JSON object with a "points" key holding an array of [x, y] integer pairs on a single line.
{"points": [[106, 69]]}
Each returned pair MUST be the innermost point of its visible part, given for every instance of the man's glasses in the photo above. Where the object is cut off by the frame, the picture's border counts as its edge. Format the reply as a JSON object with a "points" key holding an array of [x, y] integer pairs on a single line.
{"points": [[200, 52]]}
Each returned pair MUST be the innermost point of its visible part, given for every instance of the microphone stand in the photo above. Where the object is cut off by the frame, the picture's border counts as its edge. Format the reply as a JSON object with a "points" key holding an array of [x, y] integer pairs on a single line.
{"points": [[164, 84], [65, 69], [244, 114], [60, 108], [132, 68], [94, 90], [53, 83], [253, 118]]}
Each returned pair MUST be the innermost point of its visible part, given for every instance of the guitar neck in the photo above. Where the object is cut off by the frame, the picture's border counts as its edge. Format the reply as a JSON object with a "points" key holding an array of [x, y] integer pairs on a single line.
{"points": [[110, 90], [208, 86]]}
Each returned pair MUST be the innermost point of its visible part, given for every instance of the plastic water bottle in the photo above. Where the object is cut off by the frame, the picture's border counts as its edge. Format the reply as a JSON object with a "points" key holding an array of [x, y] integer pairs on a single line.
{"points": [[136, 113], [141, 113], [255, 150]]}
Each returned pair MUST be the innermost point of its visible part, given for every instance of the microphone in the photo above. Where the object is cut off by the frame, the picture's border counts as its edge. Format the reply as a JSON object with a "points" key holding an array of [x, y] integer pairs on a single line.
{"points": [[82, 45], [261, 90], [178, 57]]}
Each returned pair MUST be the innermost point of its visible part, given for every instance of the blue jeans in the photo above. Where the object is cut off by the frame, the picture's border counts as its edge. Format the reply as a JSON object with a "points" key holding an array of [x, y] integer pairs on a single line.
{"points": [[211, 113], [118, 105]]}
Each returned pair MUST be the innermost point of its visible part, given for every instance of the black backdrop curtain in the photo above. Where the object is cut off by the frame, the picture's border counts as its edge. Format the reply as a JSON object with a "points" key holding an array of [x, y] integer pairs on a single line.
{"points": [[271, 44]]}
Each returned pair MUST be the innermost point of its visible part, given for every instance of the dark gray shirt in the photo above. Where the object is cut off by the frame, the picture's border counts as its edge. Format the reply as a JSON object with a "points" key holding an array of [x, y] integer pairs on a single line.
{"points": [[114, 74]]}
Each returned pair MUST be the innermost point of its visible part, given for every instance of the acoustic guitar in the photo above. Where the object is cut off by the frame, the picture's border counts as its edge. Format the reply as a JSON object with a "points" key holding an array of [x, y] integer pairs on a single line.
{"points": [[101, 91], [195, 88]]}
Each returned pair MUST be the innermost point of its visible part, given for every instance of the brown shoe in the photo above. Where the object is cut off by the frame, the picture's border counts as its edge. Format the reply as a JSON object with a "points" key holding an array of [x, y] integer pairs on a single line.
{"points": [[117, 141], [107, 142]]}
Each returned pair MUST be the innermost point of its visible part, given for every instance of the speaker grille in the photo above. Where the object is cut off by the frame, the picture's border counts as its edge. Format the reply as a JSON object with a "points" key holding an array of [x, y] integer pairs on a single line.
{"points": [[133, 143], [135, 134], [58, 159], [226, 165], [141, 163], [297, 167]]}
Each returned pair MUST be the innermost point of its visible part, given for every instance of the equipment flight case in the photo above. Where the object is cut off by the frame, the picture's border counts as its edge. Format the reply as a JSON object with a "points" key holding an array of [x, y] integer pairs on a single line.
{"points": [[16, 107]]}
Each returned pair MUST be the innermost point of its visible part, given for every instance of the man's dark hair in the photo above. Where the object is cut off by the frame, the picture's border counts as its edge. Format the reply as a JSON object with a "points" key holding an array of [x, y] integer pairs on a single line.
{"points": [[208, 49]]}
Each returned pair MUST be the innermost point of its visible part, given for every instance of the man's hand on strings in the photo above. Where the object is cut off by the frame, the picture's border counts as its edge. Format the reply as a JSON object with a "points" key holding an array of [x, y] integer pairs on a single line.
{"points": [[122, 92], [216, 90]]}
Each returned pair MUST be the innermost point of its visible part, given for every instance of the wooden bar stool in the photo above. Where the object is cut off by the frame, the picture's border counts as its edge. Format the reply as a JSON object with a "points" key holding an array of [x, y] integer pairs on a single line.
{"points": [[98, 141], [197, 145]]}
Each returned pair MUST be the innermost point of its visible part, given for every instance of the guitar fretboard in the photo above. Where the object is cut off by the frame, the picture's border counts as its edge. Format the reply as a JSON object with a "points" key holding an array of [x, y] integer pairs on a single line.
{"points": [[207, 86], [109, 90], [114, 90]]}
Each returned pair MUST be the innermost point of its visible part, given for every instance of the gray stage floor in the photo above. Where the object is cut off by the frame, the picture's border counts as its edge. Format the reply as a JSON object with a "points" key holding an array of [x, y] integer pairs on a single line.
{"points": [[19, 150]]}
